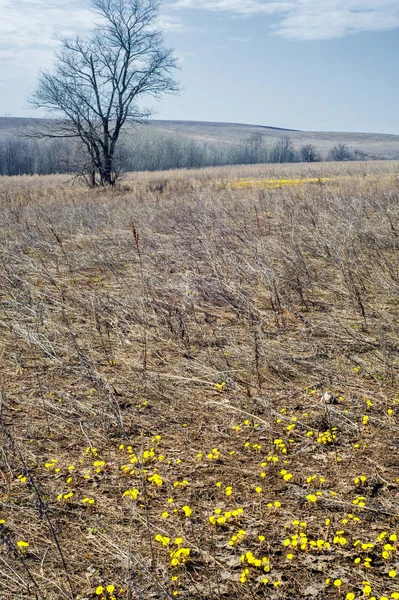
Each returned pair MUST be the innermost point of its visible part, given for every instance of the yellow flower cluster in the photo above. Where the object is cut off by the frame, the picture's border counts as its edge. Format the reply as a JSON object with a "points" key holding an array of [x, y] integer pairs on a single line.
{"points": [[156, 479], [359, 501], [237, 538], [360, 480], [285, 475], [187, 511], [181, 484], [280, 445], [220, 518], [261, 563], [314, 497], [213, 454], [106, 592], [327, 437], [67, 496], [315, 479], [131, 493], [275, 183], [165, 541], [179, 556]]}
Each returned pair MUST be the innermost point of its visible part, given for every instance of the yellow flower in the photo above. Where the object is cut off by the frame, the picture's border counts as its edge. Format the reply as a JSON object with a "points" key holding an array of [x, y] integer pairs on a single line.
{"points": [[187, 511], [132, 493], [110, 589], [22, 544], [244, 576], [337, 582], [181, 484], [156, 479], [221, 520], [258, 490], [350, 596], [367, 590], [392, 573], [99, 590], [165, 541]]}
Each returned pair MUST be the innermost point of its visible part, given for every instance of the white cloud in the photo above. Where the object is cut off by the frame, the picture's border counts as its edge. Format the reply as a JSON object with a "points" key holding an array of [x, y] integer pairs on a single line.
{"points": [[172, 23], [28, 29], [310, 19], [242, 7]]}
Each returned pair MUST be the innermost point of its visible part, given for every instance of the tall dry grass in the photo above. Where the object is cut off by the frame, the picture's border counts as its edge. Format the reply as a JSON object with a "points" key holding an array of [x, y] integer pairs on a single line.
{"points": [[247, 321]]}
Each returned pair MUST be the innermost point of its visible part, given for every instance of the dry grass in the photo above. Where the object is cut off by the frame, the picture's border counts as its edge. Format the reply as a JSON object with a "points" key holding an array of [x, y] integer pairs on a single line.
{"points": [[239, 344]]}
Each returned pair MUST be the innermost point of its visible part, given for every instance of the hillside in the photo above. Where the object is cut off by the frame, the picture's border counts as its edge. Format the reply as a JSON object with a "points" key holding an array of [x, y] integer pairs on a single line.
{"points": [[372, 144]]}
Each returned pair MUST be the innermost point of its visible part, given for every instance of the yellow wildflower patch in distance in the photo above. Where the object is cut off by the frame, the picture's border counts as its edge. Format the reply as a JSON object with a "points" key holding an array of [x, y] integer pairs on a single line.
{"points": [[274, 183]]}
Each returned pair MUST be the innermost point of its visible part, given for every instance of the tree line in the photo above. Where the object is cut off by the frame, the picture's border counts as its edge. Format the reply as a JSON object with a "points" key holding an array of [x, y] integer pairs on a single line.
{"points": [[150, 150]]}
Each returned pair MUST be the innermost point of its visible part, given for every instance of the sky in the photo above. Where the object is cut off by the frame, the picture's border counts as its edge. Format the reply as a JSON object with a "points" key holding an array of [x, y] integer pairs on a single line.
{"points": [[318, 65]]}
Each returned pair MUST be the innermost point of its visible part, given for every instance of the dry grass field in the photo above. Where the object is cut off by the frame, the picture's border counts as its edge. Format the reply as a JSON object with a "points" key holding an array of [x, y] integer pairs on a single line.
{"points": [[199, 385]]}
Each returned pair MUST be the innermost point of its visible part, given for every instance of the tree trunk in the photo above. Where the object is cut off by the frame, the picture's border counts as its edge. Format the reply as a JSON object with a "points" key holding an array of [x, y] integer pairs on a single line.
{"points": [[107, 175]]}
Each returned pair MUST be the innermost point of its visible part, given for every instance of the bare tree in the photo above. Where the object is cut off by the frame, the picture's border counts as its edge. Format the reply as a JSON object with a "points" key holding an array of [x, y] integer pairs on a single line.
{"points": [[340, 153], [254, 148], [283, 151], [308, 153], [97, 84]]}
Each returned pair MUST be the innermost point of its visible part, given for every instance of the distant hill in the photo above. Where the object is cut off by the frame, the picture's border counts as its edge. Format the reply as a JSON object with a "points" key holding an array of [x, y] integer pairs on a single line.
{"points": [[373, 144], [378, 145]]}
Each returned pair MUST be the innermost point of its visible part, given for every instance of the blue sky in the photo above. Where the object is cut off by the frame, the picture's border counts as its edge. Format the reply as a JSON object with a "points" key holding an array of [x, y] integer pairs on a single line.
{"points": [[301, 64]]}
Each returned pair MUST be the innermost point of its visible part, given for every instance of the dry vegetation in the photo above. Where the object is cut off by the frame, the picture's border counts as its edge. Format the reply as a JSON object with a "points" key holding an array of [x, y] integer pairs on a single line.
{"points": [[199, 386]]}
